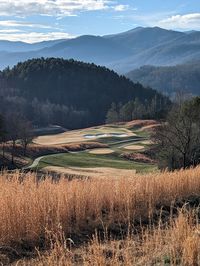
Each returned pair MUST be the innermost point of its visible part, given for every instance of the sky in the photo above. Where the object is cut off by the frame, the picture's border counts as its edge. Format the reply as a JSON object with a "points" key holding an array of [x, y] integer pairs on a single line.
{"points": [[40, 20]]}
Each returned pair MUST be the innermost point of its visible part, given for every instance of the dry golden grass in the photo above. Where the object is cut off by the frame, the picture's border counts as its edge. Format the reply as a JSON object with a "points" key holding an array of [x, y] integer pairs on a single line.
{"points": [[95, 172], [141, 123], [30, 209], [177, 243]]}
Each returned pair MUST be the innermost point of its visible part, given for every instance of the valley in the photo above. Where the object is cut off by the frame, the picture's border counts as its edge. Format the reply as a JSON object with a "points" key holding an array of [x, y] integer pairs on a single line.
{"points": [[99, 133]]}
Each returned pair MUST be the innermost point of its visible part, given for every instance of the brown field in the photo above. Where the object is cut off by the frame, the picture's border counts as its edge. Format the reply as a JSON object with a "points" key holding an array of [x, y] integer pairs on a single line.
{"points": [[55, 220]]}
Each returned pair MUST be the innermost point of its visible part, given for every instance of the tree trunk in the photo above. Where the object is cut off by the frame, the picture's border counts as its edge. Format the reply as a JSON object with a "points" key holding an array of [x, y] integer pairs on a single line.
{"points": [[13, 148], [3, 150], [25, 148]]}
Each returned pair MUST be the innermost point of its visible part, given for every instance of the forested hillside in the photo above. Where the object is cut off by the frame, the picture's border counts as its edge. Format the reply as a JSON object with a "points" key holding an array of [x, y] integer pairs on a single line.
{"points": [[69, 93], [185, 77]]}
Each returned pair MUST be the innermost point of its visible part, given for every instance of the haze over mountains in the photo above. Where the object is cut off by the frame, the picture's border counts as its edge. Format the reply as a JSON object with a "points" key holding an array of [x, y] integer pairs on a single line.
{"points": [[122, 52]]}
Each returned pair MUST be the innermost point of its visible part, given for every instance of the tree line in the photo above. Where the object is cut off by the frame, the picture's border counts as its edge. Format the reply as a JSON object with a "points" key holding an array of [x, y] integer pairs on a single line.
{"points": [[136, 109]]}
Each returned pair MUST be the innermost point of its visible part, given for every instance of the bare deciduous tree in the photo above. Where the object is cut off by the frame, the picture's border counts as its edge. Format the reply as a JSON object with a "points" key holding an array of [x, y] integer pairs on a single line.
{"points": [[178, 140]]}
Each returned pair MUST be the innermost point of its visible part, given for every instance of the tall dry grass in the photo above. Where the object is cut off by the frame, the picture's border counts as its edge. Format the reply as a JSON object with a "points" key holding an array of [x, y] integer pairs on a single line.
{"points": [[178, 243], [29, 209]]}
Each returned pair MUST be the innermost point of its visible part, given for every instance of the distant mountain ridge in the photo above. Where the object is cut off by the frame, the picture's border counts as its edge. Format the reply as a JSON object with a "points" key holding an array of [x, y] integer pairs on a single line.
{"points": [[121, 52]]}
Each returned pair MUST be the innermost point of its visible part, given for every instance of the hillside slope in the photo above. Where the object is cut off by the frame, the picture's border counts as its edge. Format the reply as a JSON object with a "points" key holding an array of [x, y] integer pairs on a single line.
{"points": [[69, 93], [185, 77]]}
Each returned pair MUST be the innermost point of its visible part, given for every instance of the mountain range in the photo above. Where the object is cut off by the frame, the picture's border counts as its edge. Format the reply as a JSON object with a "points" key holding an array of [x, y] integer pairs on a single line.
{"points": [[121, 52]]}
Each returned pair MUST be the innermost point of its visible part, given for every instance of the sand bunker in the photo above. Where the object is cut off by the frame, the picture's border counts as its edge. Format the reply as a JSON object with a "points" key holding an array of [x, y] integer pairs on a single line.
{"points": [[147, 142], [134, 147], [101, 151], [97, 172]]}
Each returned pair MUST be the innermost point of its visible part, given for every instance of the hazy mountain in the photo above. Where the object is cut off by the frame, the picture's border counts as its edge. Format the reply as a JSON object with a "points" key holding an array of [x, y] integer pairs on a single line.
{"points": [[122, 52], [94, 49], [139, 39], [185, 77], [11, 46]]}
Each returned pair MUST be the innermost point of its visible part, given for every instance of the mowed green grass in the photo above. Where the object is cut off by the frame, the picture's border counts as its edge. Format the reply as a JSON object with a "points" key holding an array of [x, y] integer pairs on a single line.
{"points": [[87, 160]]}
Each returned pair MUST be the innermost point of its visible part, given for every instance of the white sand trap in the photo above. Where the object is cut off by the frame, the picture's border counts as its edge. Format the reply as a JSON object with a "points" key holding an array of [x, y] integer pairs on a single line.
{"points": [[134, 147], [97, 172], [101, 151], [147, 142]]}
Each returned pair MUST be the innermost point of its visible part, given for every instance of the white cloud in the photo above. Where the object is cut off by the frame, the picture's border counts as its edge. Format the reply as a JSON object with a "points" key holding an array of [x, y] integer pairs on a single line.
{"points": [[31, 37], [121, 7], [186, 22], [8, 31], [50, 7], [15, 23]]}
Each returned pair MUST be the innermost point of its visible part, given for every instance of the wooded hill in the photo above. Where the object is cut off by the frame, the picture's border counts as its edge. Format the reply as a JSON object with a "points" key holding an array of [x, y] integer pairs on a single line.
{"points": [[185, 77], [67, 92]]}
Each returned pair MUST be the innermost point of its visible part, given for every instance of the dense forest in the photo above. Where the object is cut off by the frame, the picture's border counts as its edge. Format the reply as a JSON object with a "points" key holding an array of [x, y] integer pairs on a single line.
{"points": [[67, 92], [169, 79]]}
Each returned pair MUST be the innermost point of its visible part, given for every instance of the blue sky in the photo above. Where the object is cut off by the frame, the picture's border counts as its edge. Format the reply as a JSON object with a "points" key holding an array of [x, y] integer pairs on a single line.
{"points": [[38, 20]]}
